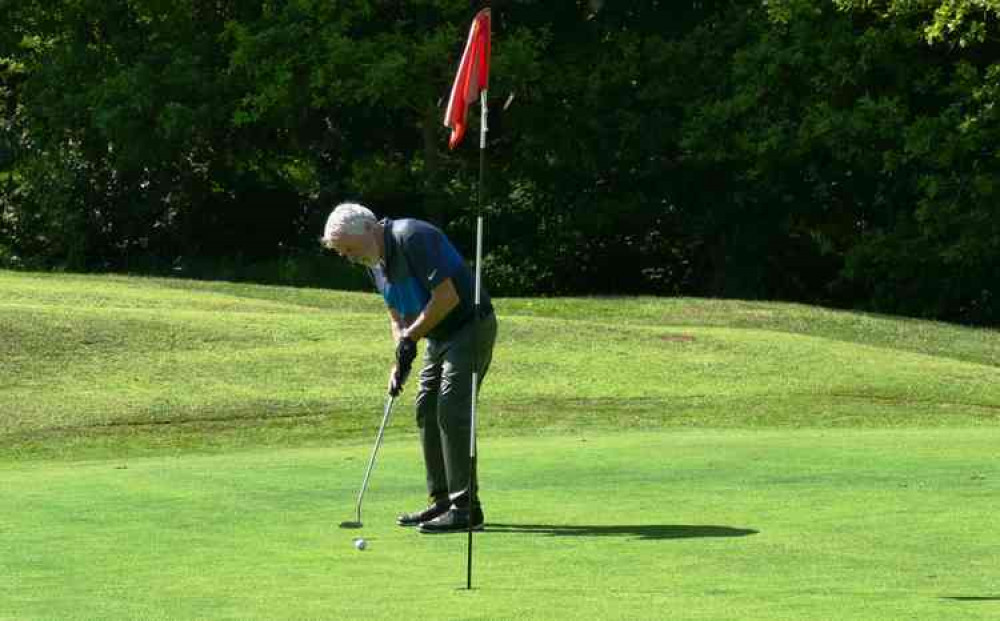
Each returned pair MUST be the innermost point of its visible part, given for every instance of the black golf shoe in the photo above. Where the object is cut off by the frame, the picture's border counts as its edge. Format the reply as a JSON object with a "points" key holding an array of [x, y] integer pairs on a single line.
{"points": [[419, 517], [455, 520]]}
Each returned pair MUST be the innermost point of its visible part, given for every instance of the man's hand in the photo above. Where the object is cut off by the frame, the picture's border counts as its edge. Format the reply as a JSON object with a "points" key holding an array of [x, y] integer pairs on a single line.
{"points": [[395, 385], [406, 353]]}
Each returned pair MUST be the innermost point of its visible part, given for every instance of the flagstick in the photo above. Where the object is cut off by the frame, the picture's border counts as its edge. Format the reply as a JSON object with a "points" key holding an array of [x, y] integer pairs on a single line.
{"points": [[475, 339]]}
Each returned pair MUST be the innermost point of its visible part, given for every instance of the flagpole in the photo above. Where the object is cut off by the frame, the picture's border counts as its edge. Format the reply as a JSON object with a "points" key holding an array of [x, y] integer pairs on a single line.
{"points": [[475, 372], [471, 84]]}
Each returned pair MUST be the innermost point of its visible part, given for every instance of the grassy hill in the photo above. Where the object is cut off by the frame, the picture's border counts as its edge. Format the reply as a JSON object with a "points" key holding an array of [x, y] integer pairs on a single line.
{"points": [[95, 364]]}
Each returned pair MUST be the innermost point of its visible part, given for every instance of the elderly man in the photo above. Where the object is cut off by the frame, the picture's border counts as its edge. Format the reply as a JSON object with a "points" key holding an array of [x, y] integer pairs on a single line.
{"points": [[429, 292]]}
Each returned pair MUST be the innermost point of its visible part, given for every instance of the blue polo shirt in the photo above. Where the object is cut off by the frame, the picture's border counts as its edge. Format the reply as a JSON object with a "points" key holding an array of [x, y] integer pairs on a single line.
{"points": [[418, 258]]}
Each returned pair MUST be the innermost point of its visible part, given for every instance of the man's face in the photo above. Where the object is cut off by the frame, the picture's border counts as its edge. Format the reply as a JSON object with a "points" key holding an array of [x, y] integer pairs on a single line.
{"points": [[361, 249]]}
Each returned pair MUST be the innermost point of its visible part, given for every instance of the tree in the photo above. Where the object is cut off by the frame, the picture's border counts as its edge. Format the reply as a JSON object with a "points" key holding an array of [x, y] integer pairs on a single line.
{"points": [[851, 131]]}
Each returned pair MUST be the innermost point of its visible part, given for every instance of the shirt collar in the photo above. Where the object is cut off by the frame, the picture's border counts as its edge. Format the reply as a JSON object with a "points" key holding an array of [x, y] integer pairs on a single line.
{"points": [[388, 243]]}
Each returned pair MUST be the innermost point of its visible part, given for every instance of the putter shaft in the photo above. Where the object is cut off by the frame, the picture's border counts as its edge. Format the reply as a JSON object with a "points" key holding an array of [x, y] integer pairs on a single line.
{"points": [[371, 464]]}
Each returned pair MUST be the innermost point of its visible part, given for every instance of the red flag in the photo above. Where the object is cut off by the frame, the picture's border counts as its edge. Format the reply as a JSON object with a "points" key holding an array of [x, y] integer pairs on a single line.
{"points": [[473, 77]]}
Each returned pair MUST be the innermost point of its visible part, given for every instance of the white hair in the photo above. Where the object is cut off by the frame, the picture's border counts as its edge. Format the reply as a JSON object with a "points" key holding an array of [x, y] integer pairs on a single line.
{"points": [[347, 219]]}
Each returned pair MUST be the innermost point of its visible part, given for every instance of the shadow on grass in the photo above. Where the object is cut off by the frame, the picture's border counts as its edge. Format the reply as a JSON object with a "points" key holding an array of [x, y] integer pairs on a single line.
{"points": [[643, 532], [973, 599]]}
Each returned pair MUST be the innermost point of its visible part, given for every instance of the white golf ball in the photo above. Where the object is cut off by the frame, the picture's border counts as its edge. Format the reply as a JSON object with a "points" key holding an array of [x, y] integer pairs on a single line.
{"points": [[360, 543]]}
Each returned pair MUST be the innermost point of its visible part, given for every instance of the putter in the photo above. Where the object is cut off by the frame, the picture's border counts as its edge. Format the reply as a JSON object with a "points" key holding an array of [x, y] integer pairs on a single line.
{"points": [[371, 463]]}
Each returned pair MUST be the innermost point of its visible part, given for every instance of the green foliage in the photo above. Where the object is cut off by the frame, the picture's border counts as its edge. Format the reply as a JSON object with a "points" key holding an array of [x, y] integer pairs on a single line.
{"points": [[937, 260], [849, 137], [965, 23], [825, 151]]}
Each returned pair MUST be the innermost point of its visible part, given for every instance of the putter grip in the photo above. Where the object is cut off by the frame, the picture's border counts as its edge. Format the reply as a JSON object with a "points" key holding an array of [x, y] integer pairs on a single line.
{"points": [[406, 352]]}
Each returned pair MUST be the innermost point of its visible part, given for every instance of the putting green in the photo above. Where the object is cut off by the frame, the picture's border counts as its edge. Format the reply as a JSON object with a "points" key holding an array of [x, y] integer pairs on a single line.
{"points": [[697, 524]]}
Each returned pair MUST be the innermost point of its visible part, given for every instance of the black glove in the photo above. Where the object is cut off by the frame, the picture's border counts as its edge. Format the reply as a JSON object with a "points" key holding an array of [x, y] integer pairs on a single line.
{"points": [[406, 353]]}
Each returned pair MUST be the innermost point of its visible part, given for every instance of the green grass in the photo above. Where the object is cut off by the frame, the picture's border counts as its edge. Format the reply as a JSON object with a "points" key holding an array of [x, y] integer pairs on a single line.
{"points": [[173, 450], [736, 524]]}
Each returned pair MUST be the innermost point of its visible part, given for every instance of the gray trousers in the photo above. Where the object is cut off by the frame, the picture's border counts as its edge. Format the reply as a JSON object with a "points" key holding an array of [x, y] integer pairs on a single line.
{"points": [[444, 402]]}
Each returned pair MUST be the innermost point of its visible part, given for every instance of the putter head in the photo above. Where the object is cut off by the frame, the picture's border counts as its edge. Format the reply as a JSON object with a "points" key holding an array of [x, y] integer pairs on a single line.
{"points": [[351, 524]]}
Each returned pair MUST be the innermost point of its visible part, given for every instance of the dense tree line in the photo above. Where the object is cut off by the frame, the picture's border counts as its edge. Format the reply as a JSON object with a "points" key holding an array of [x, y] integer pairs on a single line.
{"points": [[839, 152]]}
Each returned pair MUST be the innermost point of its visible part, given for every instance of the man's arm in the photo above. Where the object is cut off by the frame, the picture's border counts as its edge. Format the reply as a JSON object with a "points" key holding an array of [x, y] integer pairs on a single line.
{"points": [[443, 300], [396, 325]]}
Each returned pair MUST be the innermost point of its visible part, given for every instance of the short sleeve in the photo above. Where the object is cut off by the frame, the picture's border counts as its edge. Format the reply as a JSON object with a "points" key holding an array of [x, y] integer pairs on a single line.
{"points": [[428, 255]]}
